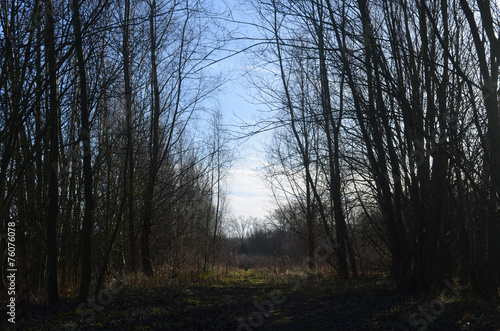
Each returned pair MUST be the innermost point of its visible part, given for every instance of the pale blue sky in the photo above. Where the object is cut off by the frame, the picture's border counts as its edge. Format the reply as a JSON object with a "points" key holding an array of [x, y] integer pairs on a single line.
{"points": [[248, 194]]}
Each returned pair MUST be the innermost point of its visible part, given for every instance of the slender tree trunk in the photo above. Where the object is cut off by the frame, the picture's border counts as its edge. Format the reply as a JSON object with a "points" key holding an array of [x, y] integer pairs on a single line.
{"points": [[333, 155], [218, 147], [217, 209], [39, 164], [109, 248], [303, 153], [371, 134], [489, 68], [53, 192], [310, 216], [129, 183], [88, 217], [154, 151]]}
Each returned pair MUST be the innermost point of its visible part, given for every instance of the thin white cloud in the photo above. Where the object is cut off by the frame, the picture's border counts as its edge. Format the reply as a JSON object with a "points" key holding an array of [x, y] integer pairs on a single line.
{"points": [[248, 195]]}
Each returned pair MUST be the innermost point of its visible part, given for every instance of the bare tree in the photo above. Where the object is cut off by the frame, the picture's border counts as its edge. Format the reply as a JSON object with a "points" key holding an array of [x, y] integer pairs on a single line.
{"points": [[53, 194], [489, 61], [88, 217]]}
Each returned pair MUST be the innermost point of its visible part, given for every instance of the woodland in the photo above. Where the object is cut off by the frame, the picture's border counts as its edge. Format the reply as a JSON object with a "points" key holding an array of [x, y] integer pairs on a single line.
{"points": [[383, 162]]}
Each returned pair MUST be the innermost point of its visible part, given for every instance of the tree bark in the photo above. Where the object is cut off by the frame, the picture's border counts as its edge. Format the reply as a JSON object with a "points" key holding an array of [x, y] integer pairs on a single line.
{"points": [[129, 183], [489, 69], [53, 191], [333, 154], [154, 150], [88, 217]]}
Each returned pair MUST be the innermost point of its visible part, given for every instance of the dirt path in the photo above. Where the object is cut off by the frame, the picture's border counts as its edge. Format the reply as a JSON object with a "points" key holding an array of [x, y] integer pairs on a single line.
{"points": [[256, 303]]}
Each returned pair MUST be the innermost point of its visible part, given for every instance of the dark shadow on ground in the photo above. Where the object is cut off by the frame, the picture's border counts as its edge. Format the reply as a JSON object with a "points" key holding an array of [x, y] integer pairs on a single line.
{"points": [[255, 303]]}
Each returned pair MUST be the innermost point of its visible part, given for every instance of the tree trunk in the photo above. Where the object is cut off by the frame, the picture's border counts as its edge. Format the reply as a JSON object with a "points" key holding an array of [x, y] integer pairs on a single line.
{"points": [[129, 183], [154, 150], [53, 192], [490, 74], [333, 155], [303, 153], [88, 217]]}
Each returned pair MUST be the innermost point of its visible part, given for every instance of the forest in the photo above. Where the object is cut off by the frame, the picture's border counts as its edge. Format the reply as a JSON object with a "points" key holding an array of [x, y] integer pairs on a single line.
{"points": [[383, 163]]}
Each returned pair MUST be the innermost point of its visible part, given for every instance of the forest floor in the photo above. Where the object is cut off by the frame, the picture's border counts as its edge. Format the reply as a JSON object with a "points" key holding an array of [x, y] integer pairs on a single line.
{"points": [[251, 300]]}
